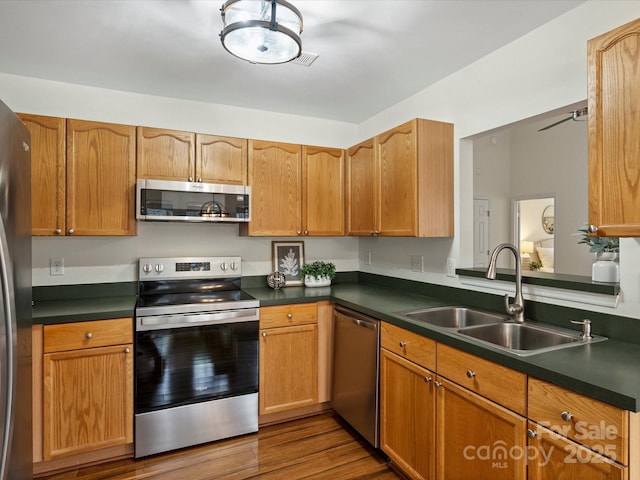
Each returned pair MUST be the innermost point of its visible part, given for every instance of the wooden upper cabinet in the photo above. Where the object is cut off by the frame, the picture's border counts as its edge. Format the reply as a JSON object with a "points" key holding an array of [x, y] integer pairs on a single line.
{"points": [[361, 171], [322, 191], [166, 154], [101, 176], [221, 159], [413, 182], [48, 173], [614, 123], [276, 197]]}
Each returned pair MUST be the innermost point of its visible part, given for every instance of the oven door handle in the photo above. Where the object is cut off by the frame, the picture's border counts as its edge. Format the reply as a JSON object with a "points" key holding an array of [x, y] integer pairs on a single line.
{"points": [[187, 320]]}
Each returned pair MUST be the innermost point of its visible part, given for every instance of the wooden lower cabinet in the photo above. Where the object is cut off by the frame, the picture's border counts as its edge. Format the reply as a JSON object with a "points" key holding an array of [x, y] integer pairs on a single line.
{"points": [[288, 358], [553, 457], [407, 415], [477, 438], [87, 390]]}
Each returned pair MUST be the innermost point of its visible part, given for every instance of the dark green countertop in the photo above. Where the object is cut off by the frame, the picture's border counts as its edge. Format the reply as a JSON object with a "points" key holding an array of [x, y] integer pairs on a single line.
{"points": [[608, 371]]}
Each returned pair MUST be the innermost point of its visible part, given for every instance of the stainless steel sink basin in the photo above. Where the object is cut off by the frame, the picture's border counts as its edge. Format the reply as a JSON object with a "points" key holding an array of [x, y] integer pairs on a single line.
{"points": [[526, 338], [453, 317]]}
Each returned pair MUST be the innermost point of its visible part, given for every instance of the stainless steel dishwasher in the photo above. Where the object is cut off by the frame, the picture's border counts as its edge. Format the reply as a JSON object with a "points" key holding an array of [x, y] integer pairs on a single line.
{"points": [[355, 371]]}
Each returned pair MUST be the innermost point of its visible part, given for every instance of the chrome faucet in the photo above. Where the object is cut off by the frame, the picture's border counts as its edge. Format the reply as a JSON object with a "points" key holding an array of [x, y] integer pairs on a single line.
{"points": [[517, 307]]}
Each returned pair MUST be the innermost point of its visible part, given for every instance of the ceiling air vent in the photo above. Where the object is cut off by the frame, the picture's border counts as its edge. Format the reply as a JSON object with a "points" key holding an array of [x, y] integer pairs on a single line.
{"points": [[305, 59]]}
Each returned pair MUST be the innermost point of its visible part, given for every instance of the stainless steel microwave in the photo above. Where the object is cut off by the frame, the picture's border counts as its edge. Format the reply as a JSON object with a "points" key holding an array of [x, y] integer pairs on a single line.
{"points": [[164, 200]]}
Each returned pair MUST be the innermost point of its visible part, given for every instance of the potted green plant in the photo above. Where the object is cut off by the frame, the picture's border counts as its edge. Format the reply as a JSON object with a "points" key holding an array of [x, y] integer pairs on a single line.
{"points": [[318, 273], [605, 268]]}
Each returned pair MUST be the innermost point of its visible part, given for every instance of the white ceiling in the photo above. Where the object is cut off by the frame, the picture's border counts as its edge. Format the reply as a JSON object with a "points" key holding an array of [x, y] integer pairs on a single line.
{"points": [[372, 53]]}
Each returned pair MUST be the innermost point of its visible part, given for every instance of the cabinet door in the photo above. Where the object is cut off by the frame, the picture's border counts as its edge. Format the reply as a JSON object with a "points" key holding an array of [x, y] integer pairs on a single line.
{"points": [[614, 123], [407, 415], [323, 191], [361, 189], [166, 154], [101, 177], [48, 173], [475, 437], [396, 152], [552, 457], [288, 368], [221, 159], [88, 400], [276, 200]]}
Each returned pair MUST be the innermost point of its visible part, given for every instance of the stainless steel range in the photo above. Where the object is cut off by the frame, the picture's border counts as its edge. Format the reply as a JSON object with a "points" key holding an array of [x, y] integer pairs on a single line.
{"points": [[196, 369]]}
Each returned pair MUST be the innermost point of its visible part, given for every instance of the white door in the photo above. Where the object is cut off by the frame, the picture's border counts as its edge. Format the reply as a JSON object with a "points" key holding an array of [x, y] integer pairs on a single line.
{"points": [[480, 232]]}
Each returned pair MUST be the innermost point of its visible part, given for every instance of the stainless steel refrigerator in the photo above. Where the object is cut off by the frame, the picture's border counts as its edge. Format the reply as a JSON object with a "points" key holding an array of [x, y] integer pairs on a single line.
{"points": [[16, 461]]}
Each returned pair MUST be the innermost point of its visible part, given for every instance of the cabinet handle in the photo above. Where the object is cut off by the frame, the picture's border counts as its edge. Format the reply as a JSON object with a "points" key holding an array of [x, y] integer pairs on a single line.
{"points": [[427, 379], [190, 179], [471, 374], [289, 315], [57, 231], [566, 416], [306, 232], [437, 384], [264, 334], [593, 229], [70, 231], [199, 180], [531, 433], [89, 335], [403, 344], [299, 232], [126, 350]]}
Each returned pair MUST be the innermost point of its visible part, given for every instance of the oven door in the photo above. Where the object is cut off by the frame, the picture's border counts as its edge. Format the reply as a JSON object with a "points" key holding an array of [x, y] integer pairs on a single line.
{"points": [[194, 363]]}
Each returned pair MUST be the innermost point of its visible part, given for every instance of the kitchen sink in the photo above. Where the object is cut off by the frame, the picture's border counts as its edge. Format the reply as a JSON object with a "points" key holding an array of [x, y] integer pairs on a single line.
{"points": [[453, 317], [526, 338]]}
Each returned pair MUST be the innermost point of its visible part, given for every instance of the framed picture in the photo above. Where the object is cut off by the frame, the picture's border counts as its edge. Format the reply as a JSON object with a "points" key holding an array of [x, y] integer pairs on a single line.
{"points": [[287, 258]]}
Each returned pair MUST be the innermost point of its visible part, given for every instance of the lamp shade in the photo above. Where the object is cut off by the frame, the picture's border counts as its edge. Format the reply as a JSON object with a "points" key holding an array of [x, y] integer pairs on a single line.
{"points": [[261, 31], [526, 247]]}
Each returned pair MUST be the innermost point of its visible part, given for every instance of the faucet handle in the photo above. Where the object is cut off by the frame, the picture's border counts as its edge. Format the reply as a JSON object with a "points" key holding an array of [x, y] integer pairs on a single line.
{"points": [[586, 327], [511, 308]]}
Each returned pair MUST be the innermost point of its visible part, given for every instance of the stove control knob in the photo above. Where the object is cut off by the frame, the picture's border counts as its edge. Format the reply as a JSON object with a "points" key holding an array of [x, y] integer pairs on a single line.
{"points": [[146, 268], [224, 266], [159, 268]]}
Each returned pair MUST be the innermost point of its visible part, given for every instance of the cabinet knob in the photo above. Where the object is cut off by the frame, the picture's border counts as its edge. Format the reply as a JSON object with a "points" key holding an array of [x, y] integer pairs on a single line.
{"points": [[437, 384], [531, 433], [89, 336], [126, 350], [299, 232], [471, 374], [70, 231], [427, 379], [190, 179], [593, 229], [57, 231], [289, 315], [306, 232], [264, 334], [403, 344], [566, 416], [199, 179]]}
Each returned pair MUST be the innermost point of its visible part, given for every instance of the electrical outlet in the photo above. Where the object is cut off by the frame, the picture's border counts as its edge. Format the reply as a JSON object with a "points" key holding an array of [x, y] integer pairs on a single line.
{"points": [[417, 263], [367, 257], [451, 267], [56, 266]]}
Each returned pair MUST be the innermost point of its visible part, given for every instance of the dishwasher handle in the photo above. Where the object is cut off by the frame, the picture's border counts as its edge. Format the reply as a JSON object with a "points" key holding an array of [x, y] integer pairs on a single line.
{"points": [[358, 319]]}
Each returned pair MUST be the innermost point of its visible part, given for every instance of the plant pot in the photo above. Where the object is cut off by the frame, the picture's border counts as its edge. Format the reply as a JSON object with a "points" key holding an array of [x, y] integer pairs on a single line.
{"points": [[310, 281], [606, 268]]}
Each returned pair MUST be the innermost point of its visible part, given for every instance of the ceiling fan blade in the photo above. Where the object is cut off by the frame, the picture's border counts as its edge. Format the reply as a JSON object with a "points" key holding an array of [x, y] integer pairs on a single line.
{"points": [[557, 123]]}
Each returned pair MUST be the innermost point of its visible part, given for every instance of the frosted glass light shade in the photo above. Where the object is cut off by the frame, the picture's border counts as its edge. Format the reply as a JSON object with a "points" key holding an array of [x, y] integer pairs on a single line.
{"points": [[261, 31]]}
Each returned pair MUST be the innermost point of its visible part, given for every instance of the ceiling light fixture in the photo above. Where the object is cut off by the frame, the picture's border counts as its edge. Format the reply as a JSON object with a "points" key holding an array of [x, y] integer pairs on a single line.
{"points": [[261, 31]]}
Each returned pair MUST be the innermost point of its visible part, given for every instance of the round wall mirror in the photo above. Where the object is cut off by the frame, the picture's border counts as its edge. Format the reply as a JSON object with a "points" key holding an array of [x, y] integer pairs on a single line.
{"points": [[548, 221]]}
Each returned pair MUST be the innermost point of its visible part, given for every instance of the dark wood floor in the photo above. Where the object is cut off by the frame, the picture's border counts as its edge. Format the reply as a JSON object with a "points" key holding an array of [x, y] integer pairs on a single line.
{"points": [[320, 447]]}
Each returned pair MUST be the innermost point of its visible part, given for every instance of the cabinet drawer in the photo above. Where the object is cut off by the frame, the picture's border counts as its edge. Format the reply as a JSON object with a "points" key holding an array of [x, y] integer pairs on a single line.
{"points": [[412, 346], [78, 335], [495, 382], [288, 315], [599, 426]]}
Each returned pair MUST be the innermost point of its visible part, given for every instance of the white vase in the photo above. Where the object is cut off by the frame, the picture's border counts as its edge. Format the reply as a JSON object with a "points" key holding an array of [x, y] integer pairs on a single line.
{"points": [[606, 269], [310, 281]]}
